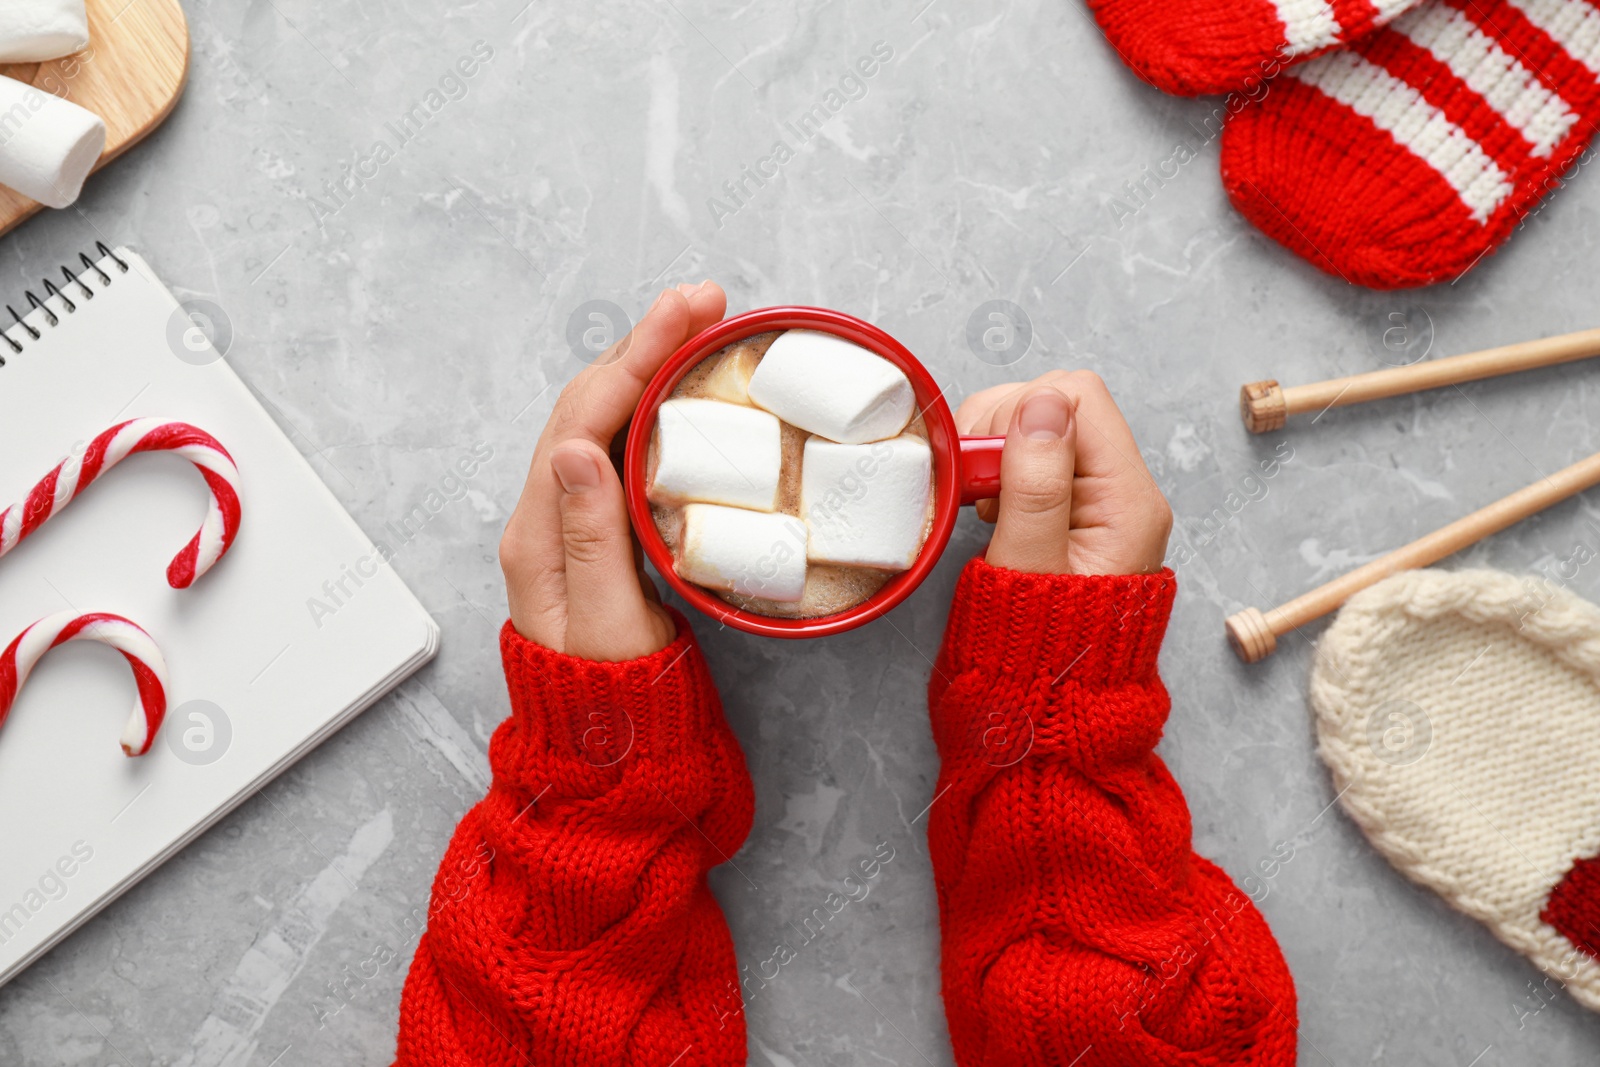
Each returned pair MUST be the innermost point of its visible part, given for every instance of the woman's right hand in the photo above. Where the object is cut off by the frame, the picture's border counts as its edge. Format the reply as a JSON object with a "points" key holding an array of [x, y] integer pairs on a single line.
{"points": [[1075, 497]]}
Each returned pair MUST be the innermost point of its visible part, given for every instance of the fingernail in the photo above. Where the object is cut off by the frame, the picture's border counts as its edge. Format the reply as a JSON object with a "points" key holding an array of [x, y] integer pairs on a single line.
{"points": [[660, 300], [575, 469], [686, 289], [1045, 416]]}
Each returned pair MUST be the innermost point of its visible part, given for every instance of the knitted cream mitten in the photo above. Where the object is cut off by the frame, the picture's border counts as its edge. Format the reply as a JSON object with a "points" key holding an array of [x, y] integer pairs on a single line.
{"points": [[1460, 716]]}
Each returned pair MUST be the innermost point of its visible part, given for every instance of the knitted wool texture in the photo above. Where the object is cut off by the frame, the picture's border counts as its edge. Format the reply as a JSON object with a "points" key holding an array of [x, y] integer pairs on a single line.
{"points": [[1078, 926], [1191, 47], [1460, 716], [570, 921], [1406, 159]]}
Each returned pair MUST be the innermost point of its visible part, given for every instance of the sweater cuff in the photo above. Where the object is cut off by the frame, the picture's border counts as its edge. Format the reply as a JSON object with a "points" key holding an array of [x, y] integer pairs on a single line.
{"points": [[1097, 631], [579, 709]]}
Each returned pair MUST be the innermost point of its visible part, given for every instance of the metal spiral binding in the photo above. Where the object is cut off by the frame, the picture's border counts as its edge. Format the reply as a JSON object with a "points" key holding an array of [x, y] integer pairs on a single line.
{"points": [[51, 289]]}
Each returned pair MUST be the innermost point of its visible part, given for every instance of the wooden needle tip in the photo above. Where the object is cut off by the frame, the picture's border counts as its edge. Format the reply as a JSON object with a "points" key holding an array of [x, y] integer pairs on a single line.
{"points": [[1252, 639], [1263, 406]]}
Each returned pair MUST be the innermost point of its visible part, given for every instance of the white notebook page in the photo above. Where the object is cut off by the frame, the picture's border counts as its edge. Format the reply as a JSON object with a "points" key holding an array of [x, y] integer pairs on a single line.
{"points": [[79, 821]]}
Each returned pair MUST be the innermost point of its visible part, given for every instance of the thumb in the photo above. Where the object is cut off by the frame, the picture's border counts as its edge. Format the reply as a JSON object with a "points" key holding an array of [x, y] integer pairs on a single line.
{"points": [[1036, 469], [608, 617]]}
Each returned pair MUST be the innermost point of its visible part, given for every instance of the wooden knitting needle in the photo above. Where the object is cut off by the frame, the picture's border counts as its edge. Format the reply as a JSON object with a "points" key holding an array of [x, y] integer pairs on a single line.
{"points": [[1254, 634], [1266, 406]]}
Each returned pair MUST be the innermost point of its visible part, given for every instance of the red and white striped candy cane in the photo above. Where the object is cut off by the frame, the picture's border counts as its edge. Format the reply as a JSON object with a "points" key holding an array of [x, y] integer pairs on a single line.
{"points": [[136, 646], [58, 489]]}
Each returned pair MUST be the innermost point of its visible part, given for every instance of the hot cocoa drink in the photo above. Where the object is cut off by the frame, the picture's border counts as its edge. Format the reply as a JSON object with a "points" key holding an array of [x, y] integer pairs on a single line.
{"points": [[790, 474]]}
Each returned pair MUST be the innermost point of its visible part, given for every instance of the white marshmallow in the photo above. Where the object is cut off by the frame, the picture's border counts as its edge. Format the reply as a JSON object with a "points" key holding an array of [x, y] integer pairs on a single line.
{"points": [[729, 380], [34, 30], [48, 145], [743, 551], [716, 453], [866, 505], [828, 386]]}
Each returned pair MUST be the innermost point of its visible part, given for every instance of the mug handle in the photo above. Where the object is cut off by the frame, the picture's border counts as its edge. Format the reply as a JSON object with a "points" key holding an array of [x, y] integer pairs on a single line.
{"points": [[979, 468]]}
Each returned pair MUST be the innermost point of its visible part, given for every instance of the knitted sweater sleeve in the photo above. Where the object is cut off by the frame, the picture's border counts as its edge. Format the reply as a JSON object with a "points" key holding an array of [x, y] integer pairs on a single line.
{"points": [[571, 921], [1078, 927]]}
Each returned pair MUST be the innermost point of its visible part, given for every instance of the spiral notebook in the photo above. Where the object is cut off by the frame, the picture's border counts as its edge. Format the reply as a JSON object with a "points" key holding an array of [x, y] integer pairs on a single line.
{"points": [[295, 631]]}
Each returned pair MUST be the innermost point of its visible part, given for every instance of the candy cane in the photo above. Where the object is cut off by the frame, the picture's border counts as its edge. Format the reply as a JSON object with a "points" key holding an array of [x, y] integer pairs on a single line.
{"points": [[136, 646], [58, 489]]}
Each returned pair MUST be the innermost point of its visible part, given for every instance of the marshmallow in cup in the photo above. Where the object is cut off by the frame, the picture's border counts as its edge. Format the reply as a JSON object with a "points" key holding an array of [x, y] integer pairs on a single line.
{"points": [[830, 387], [964, 468]]}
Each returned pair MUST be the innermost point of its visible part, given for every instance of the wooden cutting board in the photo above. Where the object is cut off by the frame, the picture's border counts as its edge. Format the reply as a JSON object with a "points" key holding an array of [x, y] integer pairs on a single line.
{"points": [[130, 75]]}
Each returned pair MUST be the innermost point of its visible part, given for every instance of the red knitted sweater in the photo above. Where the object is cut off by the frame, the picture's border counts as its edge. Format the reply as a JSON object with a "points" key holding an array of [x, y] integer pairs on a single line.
{"points": [[1078, 927], [571, 922]]}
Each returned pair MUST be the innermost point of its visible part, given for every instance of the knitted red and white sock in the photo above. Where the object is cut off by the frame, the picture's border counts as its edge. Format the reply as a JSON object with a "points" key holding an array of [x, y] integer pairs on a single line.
{"points": [[1191, 47], [1406, 159]]}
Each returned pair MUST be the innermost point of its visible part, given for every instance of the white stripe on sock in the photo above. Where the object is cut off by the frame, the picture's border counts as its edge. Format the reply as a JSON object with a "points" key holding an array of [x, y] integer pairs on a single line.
{"points": [[1494, 74], [1574, 25], [1399, 110], [1388, 9], [1308, 25]]}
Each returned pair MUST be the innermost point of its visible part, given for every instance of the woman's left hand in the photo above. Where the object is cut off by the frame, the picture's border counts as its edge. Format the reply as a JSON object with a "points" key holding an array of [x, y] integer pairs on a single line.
{"points": [[574, 577]]}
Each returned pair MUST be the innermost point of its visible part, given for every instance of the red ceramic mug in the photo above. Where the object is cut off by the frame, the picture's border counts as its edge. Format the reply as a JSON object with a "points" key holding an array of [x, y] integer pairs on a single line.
{"points": [[965, 469]]}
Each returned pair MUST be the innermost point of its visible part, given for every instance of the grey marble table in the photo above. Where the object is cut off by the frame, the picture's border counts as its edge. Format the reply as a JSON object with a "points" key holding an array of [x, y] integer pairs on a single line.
{"points": [[398, 307]]}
